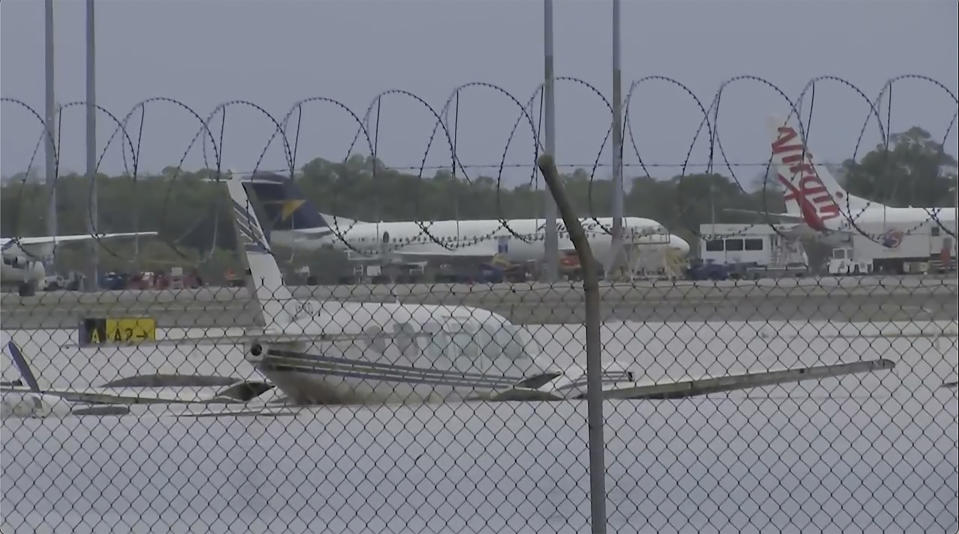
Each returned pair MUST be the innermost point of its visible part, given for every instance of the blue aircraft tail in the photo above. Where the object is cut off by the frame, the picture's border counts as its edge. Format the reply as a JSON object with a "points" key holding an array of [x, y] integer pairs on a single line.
{"points": [[284, 203]]}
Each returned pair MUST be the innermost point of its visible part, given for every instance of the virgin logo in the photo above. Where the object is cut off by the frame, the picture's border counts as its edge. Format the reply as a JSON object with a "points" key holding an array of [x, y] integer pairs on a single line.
{"points": [[815, 202]]}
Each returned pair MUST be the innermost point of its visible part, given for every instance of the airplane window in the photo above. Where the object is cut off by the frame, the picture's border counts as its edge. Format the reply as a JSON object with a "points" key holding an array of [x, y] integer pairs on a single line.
{"points": [[754, 244]]}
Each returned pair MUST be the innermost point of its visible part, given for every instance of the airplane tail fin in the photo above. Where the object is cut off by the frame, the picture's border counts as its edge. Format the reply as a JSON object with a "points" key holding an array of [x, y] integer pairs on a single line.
{"points": [[274, 298], [284, 203], [21, 363], [810, 190]]}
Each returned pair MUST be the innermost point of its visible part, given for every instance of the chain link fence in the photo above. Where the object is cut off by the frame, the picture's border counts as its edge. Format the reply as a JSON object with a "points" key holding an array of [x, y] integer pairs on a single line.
{"points": [[407, 436], [791, 403]]}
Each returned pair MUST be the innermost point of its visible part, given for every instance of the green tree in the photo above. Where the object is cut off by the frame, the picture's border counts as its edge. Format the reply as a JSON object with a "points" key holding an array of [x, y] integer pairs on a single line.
{"points": [[914, 171]]}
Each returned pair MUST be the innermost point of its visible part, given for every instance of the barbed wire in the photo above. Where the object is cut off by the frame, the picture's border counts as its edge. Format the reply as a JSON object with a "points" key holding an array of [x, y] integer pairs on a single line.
{"points": [[355, 407], [799, 110]]}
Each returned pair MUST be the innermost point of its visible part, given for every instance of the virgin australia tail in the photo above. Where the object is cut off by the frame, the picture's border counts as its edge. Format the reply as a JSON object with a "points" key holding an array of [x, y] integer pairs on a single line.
{"points": [[274, 298], [810, 189]]}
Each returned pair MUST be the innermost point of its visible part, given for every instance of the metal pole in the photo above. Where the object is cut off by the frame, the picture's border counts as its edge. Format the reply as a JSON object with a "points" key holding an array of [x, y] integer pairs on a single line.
{"points": [[50, 104], [594, 370], [712, 208], [617, 237], [551, 257], [93, 220]]}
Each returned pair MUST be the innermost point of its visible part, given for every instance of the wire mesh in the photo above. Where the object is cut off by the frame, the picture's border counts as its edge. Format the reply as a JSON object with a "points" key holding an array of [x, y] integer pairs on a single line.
{"points": [[436, 399]]}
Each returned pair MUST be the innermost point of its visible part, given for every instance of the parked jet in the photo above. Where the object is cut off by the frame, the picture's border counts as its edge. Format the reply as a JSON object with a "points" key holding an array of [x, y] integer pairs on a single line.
{"points": [[295, 222], [24, 257], [820, 207]]}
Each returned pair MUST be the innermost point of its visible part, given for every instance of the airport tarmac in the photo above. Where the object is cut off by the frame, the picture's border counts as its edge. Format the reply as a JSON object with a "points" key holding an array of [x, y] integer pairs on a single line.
{"points": [[837, 299]]}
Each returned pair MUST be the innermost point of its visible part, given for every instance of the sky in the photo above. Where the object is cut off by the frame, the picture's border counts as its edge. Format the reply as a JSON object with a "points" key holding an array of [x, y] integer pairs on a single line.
{"points": [[277, 52]]}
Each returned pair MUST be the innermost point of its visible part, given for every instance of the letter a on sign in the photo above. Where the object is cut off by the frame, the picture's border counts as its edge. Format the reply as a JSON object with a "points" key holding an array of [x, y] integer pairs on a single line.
{"points": [[92, 331]]}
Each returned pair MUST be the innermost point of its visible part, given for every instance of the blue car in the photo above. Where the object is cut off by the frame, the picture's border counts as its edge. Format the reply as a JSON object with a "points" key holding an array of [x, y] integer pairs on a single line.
{"points": [[708, 270]]}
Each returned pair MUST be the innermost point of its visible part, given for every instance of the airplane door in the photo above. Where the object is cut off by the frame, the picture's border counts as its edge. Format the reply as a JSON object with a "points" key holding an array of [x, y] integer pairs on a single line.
{"points": [[385, 245]]}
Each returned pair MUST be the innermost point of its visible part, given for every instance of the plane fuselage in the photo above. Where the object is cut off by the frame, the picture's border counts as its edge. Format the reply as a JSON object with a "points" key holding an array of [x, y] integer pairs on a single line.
{"points": [[517, 240]]}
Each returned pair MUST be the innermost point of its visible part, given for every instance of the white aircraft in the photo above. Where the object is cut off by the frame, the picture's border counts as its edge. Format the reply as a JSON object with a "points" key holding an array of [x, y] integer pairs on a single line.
{"points": [[365, 352], [819, 206], [295, 222], [115, 398], [24, 257]]}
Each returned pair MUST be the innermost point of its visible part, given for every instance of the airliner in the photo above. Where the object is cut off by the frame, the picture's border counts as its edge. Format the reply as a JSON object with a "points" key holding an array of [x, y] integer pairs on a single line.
{"points": [[295, 222], [369, 352], [24, 257], [819, 205]]}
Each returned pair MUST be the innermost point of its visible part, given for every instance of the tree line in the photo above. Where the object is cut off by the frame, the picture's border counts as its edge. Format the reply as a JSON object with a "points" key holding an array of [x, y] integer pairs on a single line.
{"points": [[193, 219]]}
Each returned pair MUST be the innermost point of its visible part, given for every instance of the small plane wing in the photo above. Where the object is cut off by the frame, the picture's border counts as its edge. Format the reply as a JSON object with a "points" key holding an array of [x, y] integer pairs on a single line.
{"points": [[575, 388], [239, 391], [702, 386], [103, 395]]}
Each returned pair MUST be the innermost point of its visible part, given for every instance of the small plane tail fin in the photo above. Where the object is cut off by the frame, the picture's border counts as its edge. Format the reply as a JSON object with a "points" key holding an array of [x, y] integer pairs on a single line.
{"points": [[267, 280], [21, 363]]}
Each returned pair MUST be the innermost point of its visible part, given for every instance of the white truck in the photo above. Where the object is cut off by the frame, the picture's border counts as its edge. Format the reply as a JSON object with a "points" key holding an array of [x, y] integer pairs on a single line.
{"points": [[893, 252]]}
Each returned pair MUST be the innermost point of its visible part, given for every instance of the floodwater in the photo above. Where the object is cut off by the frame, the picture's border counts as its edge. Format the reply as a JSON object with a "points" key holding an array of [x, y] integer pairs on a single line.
{"points": [[862, 453]]}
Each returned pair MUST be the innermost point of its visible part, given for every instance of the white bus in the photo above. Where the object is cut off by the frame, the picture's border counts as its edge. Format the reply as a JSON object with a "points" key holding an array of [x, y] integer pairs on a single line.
{"points": [[755, 245]]}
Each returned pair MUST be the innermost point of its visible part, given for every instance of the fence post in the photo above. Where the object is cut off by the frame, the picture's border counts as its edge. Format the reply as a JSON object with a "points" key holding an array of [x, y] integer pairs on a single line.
{"points": [[594, 385]]}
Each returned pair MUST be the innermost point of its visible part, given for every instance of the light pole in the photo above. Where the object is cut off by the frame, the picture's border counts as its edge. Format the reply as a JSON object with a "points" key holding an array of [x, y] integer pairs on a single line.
{"points": [[617, 237], [50, 111], [551, 244], [93, 220]]}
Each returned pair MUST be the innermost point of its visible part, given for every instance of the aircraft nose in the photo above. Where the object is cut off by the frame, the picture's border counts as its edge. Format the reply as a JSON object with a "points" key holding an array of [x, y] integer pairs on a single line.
{"points": [[679, 244]]}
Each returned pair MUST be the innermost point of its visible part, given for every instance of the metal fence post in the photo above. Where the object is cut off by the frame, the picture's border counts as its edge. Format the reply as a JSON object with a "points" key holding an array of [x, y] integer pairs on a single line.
{"points": [[594, 385]]}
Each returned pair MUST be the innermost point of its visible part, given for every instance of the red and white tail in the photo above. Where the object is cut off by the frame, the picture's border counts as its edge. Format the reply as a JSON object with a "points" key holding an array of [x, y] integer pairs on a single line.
{"points": [[810, 189]]}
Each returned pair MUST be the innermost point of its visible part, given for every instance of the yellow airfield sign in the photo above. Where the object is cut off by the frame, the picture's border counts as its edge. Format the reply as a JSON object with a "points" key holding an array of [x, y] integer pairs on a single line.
{"points": [[117, 330]]}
